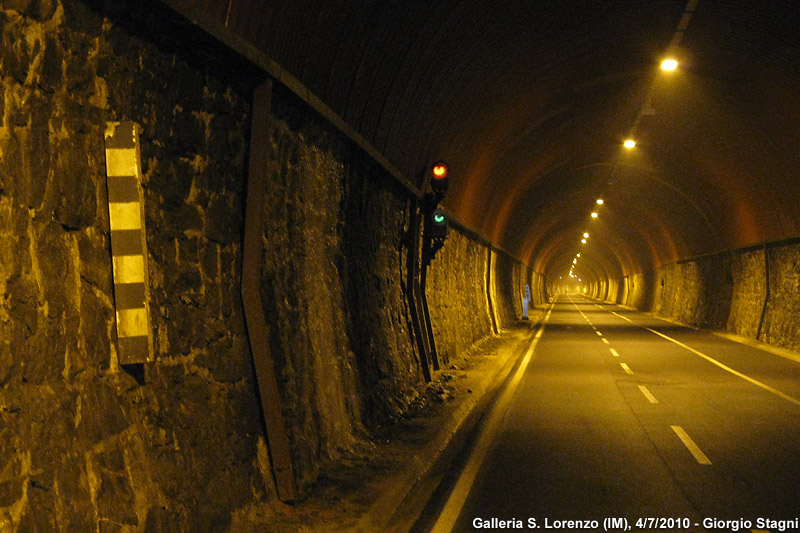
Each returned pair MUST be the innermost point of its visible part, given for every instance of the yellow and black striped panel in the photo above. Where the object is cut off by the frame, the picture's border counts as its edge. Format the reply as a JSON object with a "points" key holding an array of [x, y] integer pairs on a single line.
{"points": [[128, 244]]}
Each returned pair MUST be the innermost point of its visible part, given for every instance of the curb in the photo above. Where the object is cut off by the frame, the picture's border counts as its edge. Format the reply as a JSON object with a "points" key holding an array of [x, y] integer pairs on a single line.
{"points": [[384, 514]]}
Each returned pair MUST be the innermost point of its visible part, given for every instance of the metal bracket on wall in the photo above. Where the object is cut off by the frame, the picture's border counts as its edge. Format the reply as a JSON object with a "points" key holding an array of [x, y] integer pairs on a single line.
{"points": [[490, 290], [766, 294], [257, 328]]}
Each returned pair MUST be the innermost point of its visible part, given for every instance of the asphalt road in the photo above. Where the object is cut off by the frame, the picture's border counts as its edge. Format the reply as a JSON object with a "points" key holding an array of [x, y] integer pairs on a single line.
{"points": [[621, 415]]}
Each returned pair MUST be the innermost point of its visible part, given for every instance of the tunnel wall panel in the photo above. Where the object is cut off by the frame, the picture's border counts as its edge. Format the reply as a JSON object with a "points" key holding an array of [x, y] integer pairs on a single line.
{"points": [[748, 270], [304, 296], [457, 295], [750, 292], [504, 288], [333, 282], [697, 292], [174, 445], [782, 317], [539, 288]]}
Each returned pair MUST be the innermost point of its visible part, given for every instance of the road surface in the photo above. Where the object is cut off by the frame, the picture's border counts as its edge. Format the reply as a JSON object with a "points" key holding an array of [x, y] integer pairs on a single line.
{"points": [[620, 415]]}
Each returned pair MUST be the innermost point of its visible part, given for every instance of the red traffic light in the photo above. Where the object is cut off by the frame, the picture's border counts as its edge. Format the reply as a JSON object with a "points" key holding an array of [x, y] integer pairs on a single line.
{"points": [[439, 171], [439, 176]]}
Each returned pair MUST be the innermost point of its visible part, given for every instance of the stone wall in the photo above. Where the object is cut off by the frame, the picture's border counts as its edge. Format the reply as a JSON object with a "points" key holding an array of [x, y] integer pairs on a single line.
{"points": [[752, 292], [457, 295], [539, 289], [177, 444], [782, 318], [748, 271], [504, 268], [333, 285], [86, 446]]}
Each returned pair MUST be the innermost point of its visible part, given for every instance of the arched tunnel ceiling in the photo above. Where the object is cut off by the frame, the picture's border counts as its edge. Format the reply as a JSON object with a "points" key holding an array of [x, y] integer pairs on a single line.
{"points": [[529, 101]]}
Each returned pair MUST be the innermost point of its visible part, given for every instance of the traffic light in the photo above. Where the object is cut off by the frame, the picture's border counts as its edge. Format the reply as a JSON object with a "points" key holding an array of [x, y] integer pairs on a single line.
{"points": [[438, 224], [440, 178]]}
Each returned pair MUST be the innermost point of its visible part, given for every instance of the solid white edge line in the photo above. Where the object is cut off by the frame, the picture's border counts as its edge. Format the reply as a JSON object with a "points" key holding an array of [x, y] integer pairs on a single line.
{"points": [[736, 373], [693, 448], [455, 502]]}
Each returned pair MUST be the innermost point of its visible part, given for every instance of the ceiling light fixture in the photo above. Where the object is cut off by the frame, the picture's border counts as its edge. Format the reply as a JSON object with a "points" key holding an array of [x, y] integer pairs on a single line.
{"points": [[669, 64]]}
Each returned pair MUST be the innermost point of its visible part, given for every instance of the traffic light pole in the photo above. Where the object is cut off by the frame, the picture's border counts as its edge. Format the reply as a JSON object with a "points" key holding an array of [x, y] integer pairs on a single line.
{"points": [[423, 280], [419, 316], [428, 228]]}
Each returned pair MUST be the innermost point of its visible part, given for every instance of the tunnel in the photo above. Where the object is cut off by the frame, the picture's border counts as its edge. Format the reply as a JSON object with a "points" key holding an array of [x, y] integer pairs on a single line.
{"points": [[401, 265]]}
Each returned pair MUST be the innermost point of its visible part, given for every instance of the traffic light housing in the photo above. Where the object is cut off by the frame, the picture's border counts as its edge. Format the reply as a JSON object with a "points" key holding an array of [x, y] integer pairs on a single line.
{"points": [[440, 178]]}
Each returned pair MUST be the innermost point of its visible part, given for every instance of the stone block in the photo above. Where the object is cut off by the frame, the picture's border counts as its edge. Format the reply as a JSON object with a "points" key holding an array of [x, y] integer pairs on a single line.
{"points": [[76, 191], [94, 251], [115, 497], [226, 358], [95, 321], [40, 10], [163, 520], [73, 484], [102, 415], [223, 221], [53, 257]]}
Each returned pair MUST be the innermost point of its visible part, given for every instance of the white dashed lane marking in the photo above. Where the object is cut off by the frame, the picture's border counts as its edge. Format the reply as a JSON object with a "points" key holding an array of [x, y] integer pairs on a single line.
{"points": [[648, 394], [693, 448]]}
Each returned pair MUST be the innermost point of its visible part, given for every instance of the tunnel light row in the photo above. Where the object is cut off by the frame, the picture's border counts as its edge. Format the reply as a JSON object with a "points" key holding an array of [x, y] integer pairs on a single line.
{"points": [[668, 64], [584, 240]]}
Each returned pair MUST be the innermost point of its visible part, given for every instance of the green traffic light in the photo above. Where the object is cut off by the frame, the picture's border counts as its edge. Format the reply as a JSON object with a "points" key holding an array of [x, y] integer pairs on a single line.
{"points": [[439, 218]]}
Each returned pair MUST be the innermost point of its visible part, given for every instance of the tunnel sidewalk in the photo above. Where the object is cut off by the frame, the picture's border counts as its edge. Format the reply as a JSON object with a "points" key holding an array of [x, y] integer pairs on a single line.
{"points": [[387, 484]]}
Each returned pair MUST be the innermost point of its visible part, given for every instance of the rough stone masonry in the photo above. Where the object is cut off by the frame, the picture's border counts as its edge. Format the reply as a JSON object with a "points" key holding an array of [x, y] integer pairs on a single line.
{"points": [[87, 444], [84, 446]]}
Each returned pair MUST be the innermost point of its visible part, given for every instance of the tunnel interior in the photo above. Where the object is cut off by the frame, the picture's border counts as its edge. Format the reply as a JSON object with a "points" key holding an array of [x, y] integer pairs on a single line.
{"points": [[278, 179], [531, 103]]}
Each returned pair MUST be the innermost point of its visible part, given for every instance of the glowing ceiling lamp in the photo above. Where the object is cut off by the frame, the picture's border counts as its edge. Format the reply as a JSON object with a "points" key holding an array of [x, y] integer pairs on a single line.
{"points": [[669, 64], [629, 143]]}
